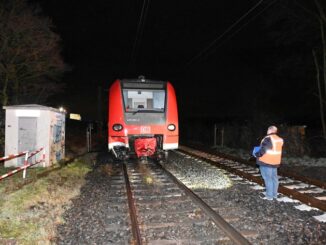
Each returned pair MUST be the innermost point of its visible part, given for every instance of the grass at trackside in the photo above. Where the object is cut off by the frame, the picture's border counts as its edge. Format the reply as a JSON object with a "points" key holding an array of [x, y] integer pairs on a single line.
{"points": [[16, 181], [31, 209]]}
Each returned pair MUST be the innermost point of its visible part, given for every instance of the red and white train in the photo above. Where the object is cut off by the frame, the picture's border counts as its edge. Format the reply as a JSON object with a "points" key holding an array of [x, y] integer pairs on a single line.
{"points": [[142, 118]]}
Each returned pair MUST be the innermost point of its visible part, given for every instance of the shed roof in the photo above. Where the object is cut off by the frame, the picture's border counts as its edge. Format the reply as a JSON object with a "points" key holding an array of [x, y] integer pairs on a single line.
{"points": [[31, 107]]}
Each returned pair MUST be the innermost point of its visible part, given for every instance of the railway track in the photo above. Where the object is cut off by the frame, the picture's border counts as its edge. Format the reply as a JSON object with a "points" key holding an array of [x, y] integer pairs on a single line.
{"points": [[140, 203], [309, 192], [163, 210]]}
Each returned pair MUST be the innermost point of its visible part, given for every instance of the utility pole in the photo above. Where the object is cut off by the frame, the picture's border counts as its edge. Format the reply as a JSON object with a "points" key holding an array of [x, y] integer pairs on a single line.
{"points": [[99, 110]]}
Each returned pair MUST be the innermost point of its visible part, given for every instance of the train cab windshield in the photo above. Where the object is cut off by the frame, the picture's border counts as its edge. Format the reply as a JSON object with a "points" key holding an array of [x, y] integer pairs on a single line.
{"points": [[144, 100]]}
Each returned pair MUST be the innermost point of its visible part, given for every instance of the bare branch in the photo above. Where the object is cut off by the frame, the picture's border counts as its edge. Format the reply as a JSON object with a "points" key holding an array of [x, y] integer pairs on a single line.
{"points": [[321, 10], [30, 52]]}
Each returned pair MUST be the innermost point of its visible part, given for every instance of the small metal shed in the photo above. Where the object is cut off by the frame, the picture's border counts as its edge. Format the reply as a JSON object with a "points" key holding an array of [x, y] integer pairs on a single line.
{"points": [[30, 127]]}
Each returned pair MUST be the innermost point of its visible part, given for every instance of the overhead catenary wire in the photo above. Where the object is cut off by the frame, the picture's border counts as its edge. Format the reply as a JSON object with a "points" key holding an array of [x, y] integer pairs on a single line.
{"points": [[140, 29], [144, 21], [194, 58], [243, 25], [139, 26]]}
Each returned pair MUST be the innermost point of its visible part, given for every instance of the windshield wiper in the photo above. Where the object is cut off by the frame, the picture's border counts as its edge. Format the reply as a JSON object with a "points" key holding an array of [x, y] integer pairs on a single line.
{"points": [[135, 112], [151, 110]]}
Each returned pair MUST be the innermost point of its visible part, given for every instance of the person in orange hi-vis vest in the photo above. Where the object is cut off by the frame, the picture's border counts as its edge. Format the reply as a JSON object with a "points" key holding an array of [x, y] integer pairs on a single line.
{"points": [[268, 157]]}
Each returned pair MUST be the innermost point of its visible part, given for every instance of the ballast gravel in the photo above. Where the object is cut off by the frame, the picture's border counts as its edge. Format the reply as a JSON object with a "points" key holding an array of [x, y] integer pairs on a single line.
{"points": [[276, 222], [91, 218], [310, 167], [100, 214]]}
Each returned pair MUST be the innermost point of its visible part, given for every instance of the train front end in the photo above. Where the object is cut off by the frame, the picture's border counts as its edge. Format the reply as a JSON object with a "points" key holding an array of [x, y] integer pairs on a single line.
{"points": [[143, 118]]}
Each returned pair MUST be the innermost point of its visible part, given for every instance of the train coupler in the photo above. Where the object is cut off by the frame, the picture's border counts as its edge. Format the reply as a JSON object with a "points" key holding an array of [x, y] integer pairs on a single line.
{"points": [[120, 152]]}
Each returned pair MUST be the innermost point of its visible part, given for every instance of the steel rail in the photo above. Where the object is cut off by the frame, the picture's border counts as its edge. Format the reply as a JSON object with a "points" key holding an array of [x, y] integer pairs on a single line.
{"points": [[309, 200], [132, 209], [232, 233], [281, 172]]}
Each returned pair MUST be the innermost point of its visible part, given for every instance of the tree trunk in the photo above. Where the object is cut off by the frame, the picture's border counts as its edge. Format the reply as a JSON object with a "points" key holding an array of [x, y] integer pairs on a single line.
{"points": [[323, 53], [321, 104], [4, 97], [16, 92], [322, 22]]}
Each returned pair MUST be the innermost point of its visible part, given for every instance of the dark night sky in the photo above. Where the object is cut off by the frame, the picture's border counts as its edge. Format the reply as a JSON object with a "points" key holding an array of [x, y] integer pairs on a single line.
{"points": [[98, 38]]}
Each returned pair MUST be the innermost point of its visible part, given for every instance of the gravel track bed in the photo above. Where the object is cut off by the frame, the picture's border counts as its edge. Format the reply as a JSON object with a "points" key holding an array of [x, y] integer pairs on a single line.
{"points": [[276, 222], [100, 214], [310, 167], [158, 224]]}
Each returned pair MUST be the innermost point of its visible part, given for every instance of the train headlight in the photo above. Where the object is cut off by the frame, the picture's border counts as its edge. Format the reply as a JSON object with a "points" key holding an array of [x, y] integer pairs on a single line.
{"points": [[117, 127], [171, 127]]}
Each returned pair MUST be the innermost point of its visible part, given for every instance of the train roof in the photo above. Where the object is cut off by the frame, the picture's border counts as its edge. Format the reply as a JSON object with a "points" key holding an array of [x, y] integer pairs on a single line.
{"points": [[143, 83], [141, 80]]}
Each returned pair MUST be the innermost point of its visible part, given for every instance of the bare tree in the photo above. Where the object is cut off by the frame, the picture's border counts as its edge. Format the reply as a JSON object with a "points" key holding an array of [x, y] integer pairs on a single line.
{"points": [[30, 60], [320, 93], [322, 96], [300, 25]]}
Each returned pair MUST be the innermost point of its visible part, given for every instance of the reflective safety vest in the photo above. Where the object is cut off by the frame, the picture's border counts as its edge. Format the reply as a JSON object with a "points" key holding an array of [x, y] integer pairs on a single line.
{"points": [[273, 156]]}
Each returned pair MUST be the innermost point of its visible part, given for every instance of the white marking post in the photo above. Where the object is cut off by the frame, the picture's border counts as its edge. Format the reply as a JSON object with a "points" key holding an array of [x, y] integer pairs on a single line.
{"points": [[25, 164]]}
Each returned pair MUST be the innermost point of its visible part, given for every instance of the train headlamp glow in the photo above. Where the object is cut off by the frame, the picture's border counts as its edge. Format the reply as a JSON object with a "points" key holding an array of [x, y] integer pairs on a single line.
{"points": [[171, 127], [117, 127]]}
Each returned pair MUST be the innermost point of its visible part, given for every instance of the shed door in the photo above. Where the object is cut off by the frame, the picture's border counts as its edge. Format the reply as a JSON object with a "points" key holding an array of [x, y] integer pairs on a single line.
{"points": [[26, 134]]}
